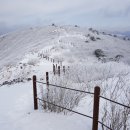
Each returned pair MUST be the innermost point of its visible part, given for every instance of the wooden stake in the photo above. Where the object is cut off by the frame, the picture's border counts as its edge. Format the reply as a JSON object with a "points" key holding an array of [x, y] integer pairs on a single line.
{"points": [[35, 93], [96, 108]]}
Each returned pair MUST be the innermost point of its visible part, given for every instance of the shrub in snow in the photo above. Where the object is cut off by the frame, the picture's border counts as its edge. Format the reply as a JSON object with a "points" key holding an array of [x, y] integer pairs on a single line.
{"points": [[118, 57], [114, 115], [88, 35], [124, 38], [76, 26], [14, 81], [90, 29], [92, 38], [99, 53], [94, 31], [53, 24], [114, 83], [86, 41], [109, 34], [62, 97], [103, 33], [114, 35], [97, 32], [28, 79], [98, 38]]}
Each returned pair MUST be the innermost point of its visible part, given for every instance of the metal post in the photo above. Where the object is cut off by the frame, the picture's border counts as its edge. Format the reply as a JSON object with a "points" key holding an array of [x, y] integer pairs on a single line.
{"points": [[96, 108], [35, 93]]}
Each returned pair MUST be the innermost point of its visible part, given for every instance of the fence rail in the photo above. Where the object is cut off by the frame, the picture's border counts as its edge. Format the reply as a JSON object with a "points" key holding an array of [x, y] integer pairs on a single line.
{"points": [[67, 88], [115, 102], [65, 108]]}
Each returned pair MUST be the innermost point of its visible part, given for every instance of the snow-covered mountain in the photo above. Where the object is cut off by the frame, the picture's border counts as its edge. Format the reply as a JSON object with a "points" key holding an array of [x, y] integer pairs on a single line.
{"points": [[14, 46], [95, 58]]}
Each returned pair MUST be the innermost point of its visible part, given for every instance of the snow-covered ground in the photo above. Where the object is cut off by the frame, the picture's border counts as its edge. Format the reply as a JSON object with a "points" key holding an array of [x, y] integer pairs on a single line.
{"points": [[16, 112], [20, 57]]}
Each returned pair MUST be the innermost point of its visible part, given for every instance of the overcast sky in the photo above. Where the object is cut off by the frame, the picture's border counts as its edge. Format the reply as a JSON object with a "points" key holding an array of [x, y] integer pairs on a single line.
{"points": [[15, 14]]}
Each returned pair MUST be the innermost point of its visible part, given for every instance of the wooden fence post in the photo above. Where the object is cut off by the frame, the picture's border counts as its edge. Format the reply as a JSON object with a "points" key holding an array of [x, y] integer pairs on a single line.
{"points": [[59, 70], [64, 69], [96, 108], [35, 93], [47, 78], [54, 70], [47, 84]]}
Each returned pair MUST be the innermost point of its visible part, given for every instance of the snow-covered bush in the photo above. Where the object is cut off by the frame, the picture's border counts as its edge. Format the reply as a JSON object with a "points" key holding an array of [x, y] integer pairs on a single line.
{"points": [[92, 38], [113, 115], [99, 53], [118, 57], [76, 26], [62, 97], [113, 81], [53, 24]]}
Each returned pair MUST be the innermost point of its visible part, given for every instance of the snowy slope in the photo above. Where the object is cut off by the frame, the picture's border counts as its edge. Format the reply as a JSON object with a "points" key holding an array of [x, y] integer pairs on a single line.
{"points": [[15, 45], [20, 58]]}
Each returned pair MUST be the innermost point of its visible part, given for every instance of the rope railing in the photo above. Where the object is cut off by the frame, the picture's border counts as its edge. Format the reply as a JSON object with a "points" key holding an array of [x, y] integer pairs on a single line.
{"points": [[67, 88], [114, 102], [65, 108], [85, 92], [104, 125]]}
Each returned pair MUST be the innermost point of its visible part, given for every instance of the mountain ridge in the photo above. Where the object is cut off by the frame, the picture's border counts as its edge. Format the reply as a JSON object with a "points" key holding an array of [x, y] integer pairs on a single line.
{"points": [[14, 46]]}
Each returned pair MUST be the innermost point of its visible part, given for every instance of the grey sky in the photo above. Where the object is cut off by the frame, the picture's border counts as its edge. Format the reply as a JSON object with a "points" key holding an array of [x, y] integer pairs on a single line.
{"points": [[97, 13]]}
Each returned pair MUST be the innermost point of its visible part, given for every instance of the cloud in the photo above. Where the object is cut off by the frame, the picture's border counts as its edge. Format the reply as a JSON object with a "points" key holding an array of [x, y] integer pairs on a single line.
{"points": [[29, 12]]}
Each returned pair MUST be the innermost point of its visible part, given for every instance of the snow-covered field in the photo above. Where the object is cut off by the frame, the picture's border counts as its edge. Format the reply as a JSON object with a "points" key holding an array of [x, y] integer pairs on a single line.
{"points": [[20, 57]]}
